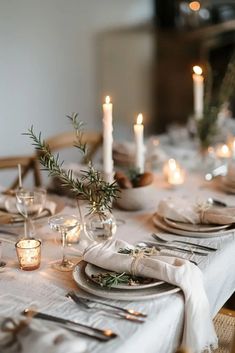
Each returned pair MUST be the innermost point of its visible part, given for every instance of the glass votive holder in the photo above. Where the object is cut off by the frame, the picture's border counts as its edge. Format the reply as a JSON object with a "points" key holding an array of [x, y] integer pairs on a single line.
{"points": [[29, 254], [73, 236]]}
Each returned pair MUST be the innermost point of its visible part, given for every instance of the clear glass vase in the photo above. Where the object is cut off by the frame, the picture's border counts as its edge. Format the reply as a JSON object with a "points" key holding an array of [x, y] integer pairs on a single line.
{"points": [[100, 225]]}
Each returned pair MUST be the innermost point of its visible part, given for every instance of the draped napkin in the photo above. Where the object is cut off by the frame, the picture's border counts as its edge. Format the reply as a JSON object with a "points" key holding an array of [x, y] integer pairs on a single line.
{"points": [[38, 337], [198, 331], [189, 211]]}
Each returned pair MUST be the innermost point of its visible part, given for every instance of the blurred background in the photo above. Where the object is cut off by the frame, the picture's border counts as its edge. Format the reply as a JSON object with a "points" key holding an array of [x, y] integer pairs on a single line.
{"points": [[61, 56]]}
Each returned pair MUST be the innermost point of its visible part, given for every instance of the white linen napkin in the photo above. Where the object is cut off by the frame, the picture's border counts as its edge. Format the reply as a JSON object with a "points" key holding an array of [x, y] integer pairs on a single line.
{"points": [[192, 211], [199, 331], [39, 337]]}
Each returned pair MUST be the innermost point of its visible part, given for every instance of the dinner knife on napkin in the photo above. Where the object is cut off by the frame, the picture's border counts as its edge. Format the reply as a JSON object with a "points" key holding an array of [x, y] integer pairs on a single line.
{"points": [[102, 335]]}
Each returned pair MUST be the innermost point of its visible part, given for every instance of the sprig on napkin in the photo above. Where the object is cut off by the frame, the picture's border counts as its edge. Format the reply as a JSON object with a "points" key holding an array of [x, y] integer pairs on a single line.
{"points": [[111, 279]]}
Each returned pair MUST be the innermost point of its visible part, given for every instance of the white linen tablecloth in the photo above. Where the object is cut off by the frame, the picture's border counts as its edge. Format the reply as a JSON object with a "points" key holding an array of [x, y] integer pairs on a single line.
{"points": [[46, 288]]}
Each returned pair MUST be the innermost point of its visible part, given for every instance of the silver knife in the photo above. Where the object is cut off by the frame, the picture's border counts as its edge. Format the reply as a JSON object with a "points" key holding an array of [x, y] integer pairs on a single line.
{"points": [[178, 248], [104, 335]]}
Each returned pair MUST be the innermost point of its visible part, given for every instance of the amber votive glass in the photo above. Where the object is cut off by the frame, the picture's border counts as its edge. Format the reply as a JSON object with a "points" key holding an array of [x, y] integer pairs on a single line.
{"points": [[29, 254]]}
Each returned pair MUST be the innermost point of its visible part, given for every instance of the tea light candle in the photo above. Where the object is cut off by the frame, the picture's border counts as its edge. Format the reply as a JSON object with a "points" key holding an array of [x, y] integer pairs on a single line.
{"points": [[231, 144], [198, 91], [73, 235], [176, 177], [223, 151], [29, 254], [173, 172], [169, 167], [139, 143], [107, 139]]}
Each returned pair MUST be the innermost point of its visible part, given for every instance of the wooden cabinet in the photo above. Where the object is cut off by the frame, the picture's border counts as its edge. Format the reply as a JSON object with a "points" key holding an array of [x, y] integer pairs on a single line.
{"points": [[175, 54]]}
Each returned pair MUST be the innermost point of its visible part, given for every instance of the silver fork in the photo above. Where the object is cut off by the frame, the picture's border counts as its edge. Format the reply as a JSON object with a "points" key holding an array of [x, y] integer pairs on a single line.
{"points": [[164, 241], [109, 312]]}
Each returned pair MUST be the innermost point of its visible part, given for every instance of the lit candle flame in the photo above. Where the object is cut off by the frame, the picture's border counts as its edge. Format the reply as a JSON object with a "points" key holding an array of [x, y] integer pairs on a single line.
{"points": [[194, 5], [172, 164], [107, 99], [139, 120], [225, 149], [197, 70]]}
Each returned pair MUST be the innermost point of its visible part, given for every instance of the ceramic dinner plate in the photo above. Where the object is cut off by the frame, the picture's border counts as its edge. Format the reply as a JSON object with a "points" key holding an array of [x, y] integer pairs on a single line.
{"points": [[195, 227], [91, 270], [227, 188], [227, 181], [89, 286], [161, 224], [226, 184]]}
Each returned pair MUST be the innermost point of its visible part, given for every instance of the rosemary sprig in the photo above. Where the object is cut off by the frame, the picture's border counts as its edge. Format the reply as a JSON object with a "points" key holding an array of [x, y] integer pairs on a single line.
{"points": [[91, 186], [78, 127], [111, 279], [148, 251], [207, 127]]}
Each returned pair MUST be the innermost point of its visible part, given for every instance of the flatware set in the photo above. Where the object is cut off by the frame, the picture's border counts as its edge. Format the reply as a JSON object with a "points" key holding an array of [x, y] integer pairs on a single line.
{"points": [[195, 245], [161, 245], [128, 314], [99, 334]]}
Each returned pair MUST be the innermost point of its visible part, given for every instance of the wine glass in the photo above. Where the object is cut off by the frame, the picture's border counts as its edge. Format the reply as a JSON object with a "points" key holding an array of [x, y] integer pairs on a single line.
{"points": [[63, 224], [30, 204]]}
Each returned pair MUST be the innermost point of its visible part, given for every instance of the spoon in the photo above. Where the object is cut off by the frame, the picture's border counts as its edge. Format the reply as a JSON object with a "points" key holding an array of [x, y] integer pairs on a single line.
{"points": [[221, 170], [216, 202]]}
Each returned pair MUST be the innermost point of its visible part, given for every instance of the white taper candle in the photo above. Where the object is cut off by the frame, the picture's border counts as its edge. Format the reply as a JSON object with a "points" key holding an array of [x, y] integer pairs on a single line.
{"points": [[198, 92], [139, 143], [20, 176], [107, 139]]}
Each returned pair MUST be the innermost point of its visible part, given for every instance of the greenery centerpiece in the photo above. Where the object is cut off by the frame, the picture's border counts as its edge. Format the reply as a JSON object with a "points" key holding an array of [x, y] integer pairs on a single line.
{"points": [[90, 186], [207, 126]]}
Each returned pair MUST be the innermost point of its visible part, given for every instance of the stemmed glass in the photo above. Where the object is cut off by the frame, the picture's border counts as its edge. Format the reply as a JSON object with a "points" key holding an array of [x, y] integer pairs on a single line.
{"points": [[30, 204], [63, 224]]}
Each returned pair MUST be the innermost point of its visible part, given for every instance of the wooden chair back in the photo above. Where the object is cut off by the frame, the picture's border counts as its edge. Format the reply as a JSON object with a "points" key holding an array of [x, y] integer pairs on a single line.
{"points": [[28, 164], [67, 139]]}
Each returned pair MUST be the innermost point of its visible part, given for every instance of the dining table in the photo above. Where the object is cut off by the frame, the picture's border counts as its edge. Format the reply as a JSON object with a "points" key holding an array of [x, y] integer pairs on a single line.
{"points": [[161, 331]]}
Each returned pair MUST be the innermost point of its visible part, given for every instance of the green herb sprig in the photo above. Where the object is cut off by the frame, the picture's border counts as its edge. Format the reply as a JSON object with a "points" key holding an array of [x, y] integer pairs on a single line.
{"points": [[111, 279], [148, 251], [91, 186], [207, 127]]}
